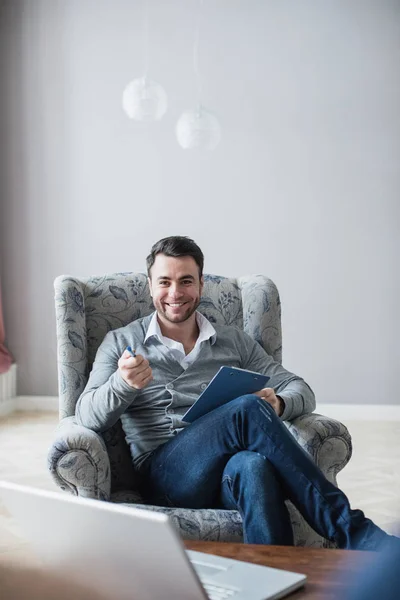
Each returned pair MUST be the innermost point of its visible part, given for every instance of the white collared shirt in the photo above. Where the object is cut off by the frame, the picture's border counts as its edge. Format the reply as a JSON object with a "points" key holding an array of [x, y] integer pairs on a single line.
{"points": [[206, 331]]}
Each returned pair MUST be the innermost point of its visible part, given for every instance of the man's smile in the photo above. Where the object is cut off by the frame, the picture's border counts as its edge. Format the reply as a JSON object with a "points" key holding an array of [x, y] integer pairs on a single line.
{"points": [[175, 304]]}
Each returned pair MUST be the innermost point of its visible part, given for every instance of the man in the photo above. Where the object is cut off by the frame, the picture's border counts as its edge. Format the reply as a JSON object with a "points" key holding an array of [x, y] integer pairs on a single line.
{"points": [[239, 456]]}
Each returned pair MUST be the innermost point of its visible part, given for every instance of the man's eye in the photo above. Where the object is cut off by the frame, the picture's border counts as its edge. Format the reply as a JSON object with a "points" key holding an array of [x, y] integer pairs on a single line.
{"points": [[163, 283], [187, 281]]}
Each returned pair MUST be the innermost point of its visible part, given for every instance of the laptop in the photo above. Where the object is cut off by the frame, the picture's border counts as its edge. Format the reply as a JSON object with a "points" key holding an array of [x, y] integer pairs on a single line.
{"points": [[127, 553]]}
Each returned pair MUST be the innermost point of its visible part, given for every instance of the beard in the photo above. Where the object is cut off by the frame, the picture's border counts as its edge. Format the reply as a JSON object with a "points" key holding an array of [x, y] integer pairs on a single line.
{"points": [[179, 317]]}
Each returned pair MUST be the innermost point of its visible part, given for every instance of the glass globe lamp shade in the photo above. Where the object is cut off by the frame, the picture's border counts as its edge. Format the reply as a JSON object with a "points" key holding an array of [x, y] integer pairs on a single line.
{"points": [[198, 128], [144, 100]]}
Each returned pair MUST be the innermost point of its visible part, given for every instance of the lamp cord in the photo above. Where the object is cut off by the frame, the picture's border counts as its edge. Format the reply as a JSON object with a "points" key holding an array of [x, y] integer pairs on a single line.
{"points": [[146, 37], [199, 83]]}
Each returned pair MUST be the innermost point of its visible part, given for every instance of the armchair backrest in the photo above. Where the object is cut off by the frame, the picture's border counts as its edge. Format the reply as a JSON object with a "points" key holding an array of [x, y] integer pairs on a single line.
{"points": [[87, 308]]}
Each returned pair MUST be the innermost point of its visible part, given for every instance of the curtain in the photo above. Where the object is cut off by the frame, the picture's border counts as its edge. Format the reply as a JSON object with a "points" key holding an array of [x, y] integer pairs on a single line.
{"points": [[5, 356]]}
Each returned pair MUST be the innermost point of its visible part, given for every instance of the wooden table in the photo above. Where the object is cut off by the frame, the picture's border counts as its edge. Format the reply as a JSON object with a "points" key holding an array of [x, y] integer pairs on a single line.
{"points": [[329, 572]]}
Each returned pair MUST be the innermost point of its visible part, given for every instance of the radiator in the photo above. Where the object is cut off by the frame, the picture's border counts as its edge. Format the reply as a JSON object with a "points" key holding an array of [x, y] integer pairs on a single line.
{"points": [[8, 390]]}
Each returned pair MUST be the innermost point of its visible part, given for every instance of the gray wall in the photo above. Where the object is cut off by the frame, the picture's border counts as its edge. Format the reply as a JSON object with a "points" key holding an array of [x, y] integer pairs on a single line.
{"points": [[304, 186]]}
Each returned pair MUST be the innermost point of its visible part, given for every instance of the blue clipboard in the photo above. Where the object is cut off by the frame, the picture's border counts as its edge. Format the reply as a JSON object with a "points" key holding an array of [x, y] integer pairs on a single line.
{"points": [[229, 383]]}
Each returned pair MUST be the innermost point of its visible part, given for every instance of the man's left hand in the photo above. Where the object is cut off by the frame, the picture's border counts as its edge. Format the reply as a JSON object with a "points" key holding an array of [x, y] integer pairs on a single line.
{"points": [[269, 396]]}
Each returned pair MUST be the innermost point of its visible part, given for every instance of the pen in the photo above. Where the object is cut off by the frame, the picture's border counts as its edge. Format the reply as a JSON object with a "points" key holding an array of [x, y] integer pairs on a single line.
{"points": [[131, 352]]}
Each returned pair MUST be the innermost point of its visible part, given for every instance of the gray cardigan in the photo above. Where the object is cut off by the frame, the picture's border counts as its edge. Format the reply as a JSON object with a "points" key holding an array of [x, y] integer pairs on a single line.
{"points": [[152, 415]]}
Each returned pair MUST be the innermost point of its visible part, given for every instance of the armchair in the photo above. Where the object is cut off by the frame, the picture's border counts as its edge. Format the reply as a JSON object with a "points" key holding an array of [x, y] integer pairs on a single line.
{"points": [[85, 463]]}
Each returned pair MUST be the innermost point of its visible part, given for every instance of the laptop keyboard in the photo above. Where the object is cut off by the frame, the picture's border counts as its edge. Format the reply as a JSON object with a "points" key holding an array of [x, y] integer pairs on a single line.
{"points": [[217, 592]]}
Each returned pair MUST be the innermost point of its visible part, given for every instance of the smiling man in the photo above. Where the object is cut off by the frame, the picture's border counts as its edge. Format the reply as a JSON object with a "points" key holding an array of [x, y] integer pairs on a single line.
{"points": [[240, 455], [176, 286]]}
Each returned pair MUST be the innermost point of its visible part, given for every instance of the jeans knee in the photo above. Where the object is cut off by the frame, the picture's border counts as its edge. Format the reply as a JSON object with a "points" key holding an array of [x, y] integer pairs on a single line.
{"points": [[250, 465]]}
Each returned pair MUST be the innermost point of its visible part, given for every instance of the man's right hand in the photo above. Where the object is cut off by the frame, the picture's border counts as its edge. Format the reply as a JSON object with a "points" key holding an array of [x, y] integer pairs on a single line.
{"points": [[135, 371]]}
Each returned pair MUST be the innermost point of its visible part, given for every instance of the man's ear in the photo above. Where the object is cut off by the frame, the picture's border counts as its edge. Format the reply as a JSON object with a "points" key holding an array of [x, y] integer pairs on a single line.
{"points": [[150, 288], [201, 284]]}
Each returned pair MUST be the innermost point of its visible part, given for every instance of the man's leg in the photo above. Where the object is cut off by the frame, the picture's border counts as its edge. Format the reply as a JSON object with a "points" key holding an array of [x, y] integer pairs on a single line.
{"points": [[250, 485], [187, 470]]}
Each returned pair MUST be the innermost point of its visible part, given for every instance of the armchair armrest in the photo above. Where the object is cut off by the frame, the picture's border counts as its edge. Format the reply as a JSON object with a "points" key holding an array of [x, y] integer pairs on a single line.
{"points": [[78, 461], [326, 440]]}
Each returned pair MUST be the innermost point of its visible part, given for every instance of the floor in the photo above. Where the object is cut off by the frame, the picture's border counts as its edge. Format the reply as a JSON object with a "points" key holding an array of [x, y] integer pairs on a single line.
{"points": [[371, 479]]}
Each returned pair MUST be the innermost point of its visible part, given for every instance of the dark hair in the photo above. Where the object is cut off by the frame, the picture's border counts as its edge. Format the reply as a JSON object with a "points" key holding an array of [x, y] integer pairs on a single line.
{"points": [[176, 245]]}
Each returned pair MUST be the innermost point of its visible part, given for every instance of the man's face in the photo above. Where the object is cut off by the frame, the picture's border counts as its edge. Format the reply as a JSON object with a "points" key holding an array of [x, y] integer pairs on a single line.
{"points": [[175, 287]]}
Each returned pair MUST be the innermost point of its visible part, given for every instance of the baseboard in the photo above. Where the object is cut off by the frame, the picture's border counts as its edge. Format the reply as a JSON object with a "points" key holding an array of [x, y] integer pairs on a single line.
{"points": [[36, 403], [7, 407], [341, 412], [360, 412]]}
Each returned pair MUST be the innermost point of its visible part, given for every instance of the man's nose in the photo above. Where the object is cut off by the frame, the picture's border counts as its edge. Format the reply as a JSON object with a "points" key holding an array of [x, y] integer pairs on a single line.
{"points": [[174, 291]]}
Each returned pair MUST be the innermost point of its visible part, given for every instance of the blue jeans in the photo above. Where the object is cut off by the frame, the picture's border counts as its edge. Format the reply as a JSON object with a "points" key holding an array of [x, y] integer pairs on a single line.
{"points": [[241, 456]]}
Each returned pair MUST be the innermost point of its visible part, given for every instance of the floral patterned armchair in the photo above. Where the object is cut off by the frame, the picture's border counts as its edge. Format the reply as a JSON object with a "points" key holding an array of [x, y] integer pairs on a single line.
{"points": [[99, 466]]}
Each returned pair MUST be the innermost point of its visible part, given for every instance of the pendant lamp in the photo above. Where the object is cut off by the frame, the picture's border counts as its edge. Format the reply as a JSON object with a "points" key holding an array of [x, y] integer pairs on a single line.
{"points": [[198, 128], [144, 99]]}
